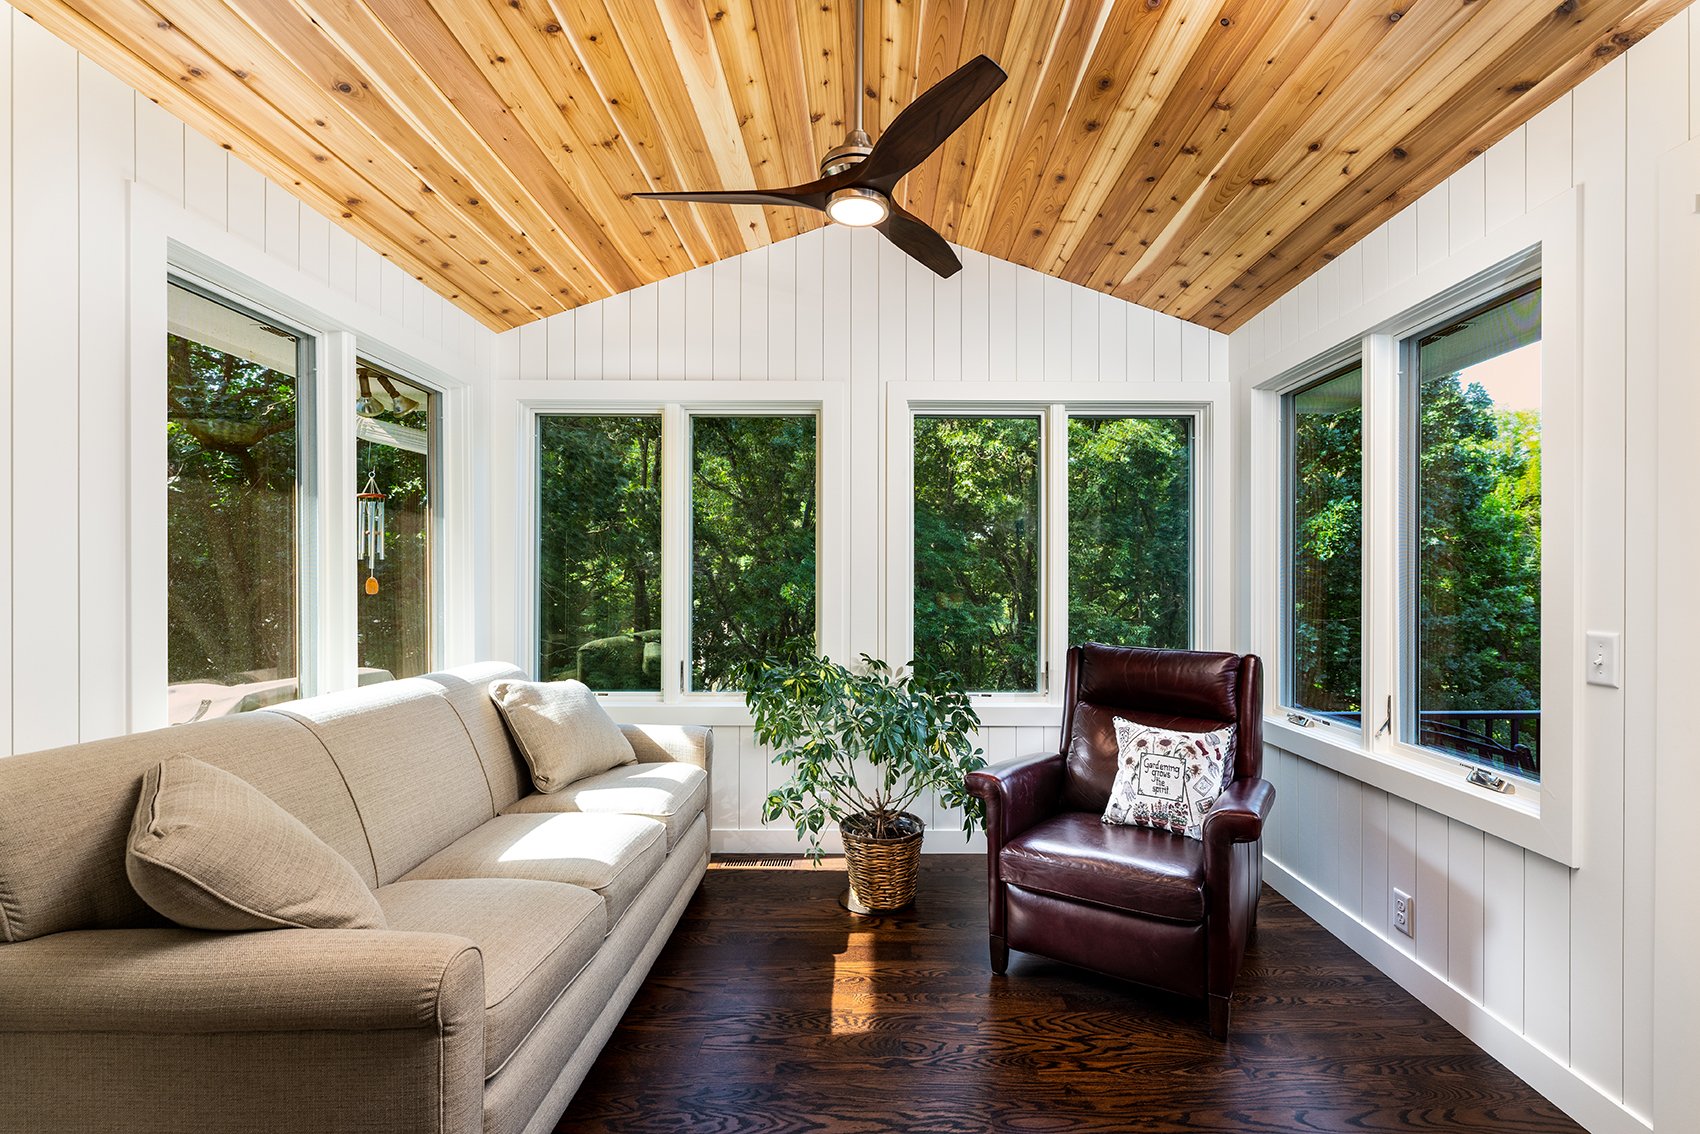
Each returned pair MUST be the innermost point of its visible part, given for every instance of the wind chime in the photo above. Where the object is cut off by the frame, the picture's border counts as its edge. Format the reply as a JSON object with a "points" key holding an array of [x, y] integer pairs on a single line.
{"points": [[369, 532]]}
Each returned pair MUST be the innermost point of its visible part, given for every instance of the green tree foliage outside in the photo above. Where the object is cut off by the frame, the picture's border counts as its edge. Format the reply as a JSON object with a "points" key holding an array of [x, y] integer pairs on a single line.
{"points": [[1130, 531], [599, 551], [753, 527], [394, 625], [230, 517], [1326, 598], [977, 548]]}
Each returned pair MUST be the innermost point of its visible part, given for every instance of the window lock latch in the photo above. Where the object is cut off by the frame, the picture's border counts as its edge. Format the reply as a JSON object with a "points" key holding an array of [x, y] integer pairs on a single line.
{"points": [[1301, 720], [1482, 778], [1387, 722]]}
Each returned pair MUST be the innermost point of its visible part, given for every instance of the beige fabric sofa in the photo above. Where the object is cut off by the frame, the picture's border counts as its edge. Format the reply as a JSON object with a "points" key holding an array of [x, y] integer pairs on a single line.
{"points": [[520, 926]]}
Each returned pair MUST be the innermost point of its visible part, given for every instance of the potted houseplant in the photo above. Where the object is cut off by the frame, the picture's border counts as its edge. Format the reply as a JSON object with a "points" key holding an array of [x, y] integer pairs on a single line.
{"points": [[865, 743]]}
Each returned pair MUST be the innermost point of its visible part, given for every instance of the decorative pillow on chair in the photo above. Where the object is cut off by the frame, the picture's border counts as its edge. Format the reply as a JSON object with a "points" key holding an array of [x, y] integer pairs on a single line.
{"points": [[1168, 779], [210, 851], [561, 730]]}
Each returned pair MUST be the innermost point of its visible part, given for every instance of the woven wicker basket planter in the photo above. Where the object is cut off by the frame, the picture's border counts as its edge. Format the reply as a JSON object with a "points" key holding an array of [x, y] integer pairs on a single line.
{"points": [[883, 871]]}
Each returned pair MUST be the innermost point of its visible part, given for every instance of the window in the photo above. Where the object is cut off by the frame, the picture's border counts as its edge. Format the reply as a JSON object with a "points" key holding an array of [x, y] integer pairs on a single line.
{"points": [[394, 425], [669, 535], [234, 455], [977, 549], [753, 523], [599, 551], [1325, 446], [1130, 530], [1473, 528]]}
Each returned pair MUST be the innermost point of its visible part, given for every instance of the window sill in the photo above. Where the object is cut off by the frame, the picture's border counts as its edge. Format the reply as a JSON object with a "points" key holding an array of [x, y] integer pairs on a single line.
{"points": [[732, 713], [1531, 817]]}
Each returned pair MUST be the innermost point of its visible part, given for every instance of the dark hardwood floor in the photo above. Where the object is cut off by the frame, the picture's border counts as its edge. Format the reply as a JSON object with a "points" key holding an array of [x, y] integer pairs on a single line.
{"points": [[774, 1010]]}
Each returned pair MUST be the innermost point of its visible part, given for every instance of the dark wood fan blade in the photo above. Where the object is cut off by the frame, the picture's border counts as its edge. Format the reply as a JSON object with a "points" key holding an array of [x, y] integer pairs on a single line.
{"points": [[802, 195], [919, 242], [924, 124]]}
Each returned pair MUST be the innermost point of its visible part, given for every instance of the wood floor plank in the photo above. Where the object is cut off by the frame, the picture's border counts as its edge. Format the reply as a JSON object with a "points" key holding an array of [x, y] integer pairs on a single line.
{"points": [[772, 1009]]}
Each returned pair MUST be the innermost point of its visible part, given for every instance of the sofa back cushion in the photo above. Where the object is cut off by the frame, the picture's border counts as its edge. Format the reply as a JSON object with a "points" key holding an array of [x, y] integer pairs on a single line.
{"points": [[409, 764], [467, 690], [65, 815]]}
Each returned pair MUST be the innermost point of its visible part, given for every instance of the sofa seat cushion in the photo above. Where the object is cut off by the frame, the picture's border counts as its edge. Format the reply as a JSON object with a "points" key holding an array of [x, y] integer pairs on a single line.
{"points": [[614, 855], [671, 794], [535, 938], [1137, 869]]}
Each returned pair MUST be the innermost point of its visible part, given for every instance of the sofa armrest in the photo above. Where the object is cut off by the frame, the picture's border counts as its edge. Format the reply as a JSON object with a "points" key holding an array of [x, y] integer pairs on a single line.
{"points": [[187, 982], [662, 744], [1239, 812], [1017, 794]]}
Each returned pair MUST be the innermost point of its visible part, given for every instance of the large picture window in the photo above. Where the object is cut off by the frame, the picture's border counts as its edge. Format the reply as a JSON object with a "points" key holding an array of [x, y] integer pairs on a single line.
{"points": [[1473, 566], [1325, 450], [978, 548], [599, 551], [1130, 530], [233, 429], [394, 426], [753, 525]]}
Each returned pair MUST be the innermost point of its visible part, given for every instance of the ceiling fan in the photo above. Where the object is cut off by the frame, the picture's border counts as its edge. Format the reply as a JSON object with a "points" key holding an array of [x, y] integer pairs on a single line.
{"points": [[857, 177]]}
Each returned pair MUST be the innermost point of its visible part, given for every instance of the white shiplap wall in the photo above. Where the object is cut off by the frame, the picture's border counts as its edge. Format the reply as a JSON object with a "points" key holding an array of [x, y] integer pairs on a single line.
{"points": [[72, 138], [1510, 943], [843, 307]]}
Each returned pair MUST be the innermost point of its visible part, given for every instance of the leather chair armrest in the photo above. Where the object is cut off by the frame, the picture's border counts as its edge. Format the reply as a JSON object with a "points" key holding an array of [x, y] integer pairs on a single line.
{"points": [[1239, 812], [1017, 794]]}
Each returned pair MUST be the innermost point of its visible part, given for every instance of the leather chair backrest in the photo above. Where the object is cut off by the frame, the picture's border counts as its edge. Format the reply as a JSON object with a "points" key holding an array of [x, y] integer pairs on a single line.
{"points": [[1185, 690]]}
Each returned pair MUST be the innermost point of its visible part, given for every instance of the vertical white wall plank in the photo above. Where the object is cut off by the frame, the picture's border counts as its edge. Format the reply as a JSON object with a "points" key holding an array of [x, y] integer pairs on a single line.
{"points": [[316, 251], [46, 443], [1166, 366], [205, 173], [8, 20], [1028, 325], [1348, 828], [726, 332], [1057, 340], [1376, 268], [1401, 867], [1376, 901], [646, 331], [159, 148], [1506, 164], [1546, 953], [1305, 298], [1112, 339], [1465, 898], [725, 776], [586, 360], [1083, 334], [1142, 346], [1434, 227], [1467, 203], [921, 320], [700, 295], [245, 213], [1502, 930], [1547, 140], [1432, 889], [752, 314], [368, 265], [671, 345], [1006, 302], [976, 287], [556, 357], [1401, 247], [894, 314], [283, 225], [106, 117], [344, 272], [811, 308], [947, 326], [617, 337], [533, 352], [1195, 352], [781, 310]]}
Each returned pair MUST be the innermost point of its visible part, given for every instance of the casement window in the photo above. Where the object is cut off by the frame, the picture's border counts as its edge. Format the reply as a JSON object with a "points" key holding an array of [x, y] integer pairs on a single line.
{"points": [[238, 426], [394, 467], [674, 548], [1324, 431], [1037, 528]]}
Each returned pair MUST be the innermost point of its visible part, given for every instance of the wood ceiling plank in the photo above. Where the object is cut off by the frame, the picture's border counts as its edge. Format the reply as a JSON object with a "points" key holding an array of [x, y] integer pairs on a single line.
{"points": [[707, 234], [302, 74], [1355, 126], [1026, 55], [985, 31], [1275, 181], [1392, 185], [826, 68], [1035, 158], [738, 43], [1174, 139], [172, 70], [578, 141], [783, 62], [938, 48]]}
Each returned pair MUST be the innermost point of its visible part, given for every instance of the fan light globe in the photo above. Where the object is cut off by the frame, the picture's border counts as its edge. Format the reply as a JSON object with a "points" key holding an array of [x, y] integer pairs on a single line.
{"points": [[857, 208]]}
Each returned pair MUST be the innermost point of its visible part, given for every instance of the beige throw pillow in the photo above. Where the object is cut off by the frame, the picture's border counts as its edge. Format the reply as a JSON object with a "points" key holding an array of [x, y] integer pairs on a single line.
{"points": [[209, 851], [561, 730]]}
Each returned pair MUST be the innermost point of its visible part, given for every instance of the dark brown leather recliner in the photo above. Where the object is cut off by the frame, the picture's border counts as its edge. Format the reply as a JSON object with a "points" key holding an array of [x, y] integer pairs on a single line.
{"points": [[1142, 904]]}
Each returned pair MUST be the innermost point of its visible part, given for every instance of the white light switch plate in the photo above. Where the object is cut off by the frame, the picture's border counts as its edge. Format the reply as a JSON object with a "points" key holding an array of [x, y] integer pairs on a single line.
{"points": [[1603, 651]]}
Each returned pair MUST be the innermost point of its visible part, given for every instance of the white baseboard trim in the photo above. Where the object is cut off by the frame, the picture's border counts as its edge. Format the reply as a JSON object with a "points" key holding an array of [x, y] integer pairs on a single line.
{"points": [[1536, 1066], [778, 840]]}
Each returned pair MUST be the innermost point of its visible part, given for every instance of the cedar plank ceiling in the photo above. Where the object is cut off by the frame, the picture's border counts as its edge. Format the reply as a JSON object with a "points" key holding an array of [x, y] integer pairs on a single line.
{"points": [[1199, 157]]}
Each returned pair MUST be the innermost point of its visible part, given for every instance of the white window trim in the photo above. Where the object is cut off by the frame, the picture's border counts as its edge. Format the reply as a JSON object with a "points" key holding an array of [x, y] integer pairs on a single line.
{"points": [[1212, 580], [168, 240], [1538, 817], [514, 477]]}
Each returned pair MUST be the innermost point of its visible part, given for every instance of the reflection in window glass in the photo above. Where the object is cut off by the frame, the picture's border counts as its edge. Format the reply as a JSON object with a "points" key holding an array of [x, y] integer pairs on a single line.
{"points": [[1130, 531], [1477, 553], [1325, 423], [977, 550], [393, 461], [753, 529], [231, 426], [599, 551]]}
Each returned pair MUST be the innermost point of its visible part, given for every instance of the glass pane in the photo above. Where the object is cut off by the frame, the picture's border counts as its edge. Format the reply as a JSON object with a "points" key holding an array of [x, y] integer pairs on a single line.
{"points": [[977, 550], [753, 524], [230, 509], [1325, 545], [599, 551], [1130, 531], [1478, 539], [393, 461]]}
